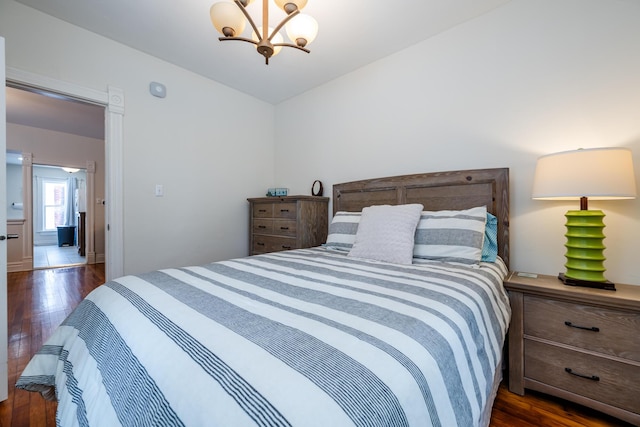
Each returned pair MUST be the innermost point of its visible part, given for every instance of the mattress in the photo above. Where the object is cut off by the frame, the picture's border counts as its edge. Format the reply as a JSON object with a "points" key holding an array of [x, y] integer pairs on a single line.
{"points": [[307, 337]]}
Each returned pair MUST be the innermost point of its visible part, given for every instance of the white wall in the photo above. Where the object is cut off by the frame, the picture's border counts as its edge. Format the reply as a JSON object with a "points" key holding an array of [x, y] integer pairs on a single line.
{"points": [[530, 78], [194, 142], [14, 191]]}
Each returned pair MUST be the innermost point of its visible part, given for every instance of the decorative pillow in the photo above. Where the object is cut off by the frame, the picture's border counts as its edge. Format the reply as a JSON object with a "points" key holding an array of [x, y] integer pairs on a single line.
{"points": [[386, 233], [342, 230], [490, 246], [451, 235]]}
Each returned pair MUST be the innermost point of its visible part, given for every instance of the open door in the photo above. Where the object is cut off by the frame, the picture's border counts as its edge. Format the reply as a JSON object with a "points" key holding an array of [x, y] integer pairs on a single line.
{"points": [[4, 378]]}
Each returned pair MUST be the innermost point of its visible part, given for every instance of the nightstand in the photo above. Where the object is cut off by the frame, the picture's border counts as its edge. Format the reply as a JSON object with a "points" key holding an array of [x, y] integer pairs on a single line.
{"points": [[289, 222], [576, 343]]}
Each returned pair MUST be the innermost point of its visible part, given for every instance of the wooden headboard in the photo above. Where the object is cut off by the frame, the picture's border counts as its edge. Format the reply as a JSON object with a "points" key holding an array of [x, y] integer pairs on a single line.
{"points": [[452, 190]]}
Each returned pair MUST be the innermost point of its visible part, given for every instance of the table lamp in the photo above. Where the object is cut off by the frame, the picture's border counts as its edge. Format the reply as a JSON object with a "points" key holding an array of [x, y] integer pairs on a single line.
{"points": [[596, 174]]}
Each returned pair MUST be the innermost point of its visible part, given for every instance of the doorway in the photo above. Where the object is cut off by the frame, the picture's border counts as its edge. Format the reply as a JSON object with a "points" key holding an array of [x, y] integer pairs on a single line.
{"points": [[59, 216], [53, 131], [113, 100]]}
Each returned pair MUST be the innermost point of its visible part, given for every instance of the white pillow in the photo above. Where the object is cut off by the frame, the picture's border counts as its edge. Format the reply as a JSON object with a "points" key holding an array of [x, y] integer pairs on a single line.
{"points": [[385, 233], [456, 236]]}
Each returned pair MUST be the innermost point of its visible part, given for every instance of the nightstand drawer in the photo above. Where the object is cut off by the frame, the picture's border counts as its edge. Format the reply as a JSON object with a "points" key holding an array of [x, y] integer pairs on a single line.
{"points": [[617, 382], [262, 244], [612, 332]]}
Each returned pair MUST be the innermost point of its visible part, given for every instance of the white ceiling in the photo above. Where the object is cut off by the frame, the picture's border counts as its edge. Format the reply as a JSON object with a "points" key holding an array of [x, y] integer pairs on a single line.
{"points": [[52, 112], [352, 34]]}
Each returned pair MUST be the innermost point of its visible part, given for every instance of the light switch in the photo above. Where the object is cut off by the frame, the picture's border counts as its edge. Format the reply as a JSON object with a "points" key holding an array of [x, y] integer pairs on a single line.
{"points": [[159, 190]]}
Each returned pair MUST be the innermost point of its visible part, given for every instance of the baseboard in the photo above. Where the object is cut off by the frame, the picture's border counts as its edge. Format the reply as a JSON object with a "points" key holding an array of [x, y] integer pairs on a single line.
{"points": [[25, 265]]}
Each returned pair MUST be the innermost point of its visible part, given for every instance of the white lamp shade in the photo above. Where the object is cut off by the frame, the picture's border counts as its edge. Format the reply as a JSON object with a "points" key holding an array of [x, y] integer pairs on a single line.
{"points": [[277, 38], [299, 3], [597, 173], [302, 27], [227, 14]]}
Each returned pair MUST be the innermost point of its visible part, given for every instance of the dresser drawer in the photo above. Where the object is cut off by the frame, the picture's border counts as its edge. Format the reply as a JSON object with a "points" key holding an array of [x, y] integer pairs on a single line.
{"points": [[263, 210], [611, 332], [285, 227], [617, 383], [262, 226], [284, 210], [262, 244]]}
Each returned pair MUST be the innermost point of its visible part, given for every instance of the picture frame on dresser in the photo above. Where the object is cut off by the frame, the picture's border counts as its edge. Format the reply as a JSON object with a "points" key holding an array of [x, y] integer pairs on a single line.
{"points": [[579, 344]]}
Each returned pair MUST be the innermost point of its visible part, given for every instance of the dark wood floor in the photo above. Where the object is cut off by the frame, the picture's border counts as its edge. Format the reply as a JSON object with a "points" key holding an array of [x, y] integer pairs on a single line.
{"points": [[38, 302]]}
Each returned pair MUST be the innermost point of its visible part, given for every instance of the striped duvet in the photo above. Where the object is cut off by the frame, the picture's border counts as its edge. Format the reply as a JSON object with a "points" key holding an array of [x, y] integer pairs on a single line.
{"points": [[298, 338]]}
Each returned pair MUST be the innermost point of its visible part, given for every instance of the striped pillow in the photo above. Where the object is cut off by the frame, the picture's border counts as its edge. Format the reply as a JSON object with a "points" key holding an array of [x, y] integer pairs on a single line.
{"points": [[456, 236], [342, 230], [490, 246]]}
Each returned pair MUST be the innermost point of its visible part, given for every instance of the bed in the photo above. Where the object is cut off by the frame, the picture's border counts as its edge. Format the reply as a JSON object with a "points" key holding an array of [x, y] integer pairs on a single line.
{"points": [[308, 337]]}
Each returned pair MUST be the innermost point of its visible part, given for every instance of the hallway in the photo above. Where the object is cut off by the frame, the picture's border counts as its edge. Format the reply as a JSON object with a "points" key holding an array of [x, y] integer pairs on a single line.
{"points": [[54, 256]]}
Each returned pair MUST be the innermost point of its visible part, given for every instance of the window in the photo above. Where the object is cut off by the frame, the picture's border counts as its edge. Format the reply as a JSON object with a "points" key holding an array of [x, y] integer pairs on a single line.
{"points": [[54, 195]]}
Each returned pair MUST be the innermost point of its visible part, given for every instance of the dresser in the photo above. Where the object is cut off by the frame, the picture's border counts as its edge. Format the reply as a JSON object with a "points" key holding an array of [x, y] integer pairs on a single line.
{"points": [[290, 222], [576, 343]]}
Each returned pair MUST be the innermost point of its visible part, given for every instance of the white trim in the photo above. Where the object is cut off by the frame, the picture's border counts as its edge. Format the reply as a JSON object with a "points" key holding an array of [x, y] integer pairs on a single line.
{"points": [[113, 100], [90, 216], [43, 82], [114, 244]]}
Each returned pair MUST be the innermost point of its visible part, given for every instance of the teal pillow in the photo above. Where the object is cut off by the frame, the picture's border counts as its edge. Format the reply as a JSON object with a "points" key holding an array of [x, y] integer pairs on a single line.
{"points": [[490, 245]]}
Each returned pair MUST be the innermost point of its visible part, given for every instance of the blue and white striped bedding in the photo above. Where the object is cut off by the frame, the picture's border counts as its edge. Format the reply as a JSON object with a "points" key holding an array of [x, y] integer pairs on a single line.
{"points": [[299, 338]]}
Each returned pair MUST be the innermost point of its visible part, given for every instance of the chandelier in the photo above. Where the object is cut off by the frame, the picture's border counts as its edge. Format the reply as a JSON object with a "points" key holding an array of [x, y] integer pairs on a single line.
{"points": [[230, 20]]}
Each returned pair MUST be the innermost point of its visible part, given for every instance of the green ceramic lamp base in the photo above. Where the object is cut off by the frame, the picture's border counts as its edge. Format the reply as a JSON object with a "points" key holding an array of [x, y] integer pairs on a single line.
{"points": [[585, 249]]}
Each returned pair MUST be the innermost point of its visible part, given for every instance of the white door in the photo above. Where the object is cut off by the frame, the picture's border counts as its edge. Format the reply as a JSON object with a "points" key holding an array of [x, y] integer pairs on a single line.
{"points": [[4, 379]]}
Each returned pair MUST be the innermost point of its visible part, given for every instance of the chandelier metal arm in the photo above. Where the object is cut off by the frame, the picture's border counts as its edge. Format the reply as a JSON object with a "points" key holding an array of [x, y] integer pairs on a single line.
{"points": [[304, 49], [282, 24], [243, 39], [246, 14]]}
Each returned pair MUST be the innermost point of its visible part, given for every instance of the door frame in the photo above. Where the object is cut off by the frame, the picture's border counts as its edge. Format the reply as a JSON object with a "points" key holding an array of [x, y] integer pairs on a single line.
{"points": [[113, 101]]}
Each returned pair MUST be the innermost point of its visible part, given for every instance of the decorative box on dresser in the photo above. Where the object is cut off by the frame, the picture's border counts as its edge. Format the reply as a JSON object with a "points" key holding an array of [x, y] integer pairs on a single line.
{"points": [[580, 344], [289, 222]]}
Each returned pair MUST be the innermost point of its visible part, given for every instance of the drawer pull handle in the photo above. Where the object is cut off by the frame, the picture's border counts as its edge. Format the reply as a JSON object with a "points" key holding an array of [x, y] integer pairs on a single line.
{"points": [[286, 247], [586, 328], [589, 377], [262, 210], [284, 228], [284, 210], [262, 226], [259, 243]]}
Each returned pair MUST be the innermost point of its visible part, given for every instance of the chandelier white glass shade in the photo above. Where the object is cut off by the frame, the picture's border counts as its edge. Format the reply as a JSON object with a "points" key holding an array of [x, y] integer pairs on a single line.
{"points": [[230, 19]]}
